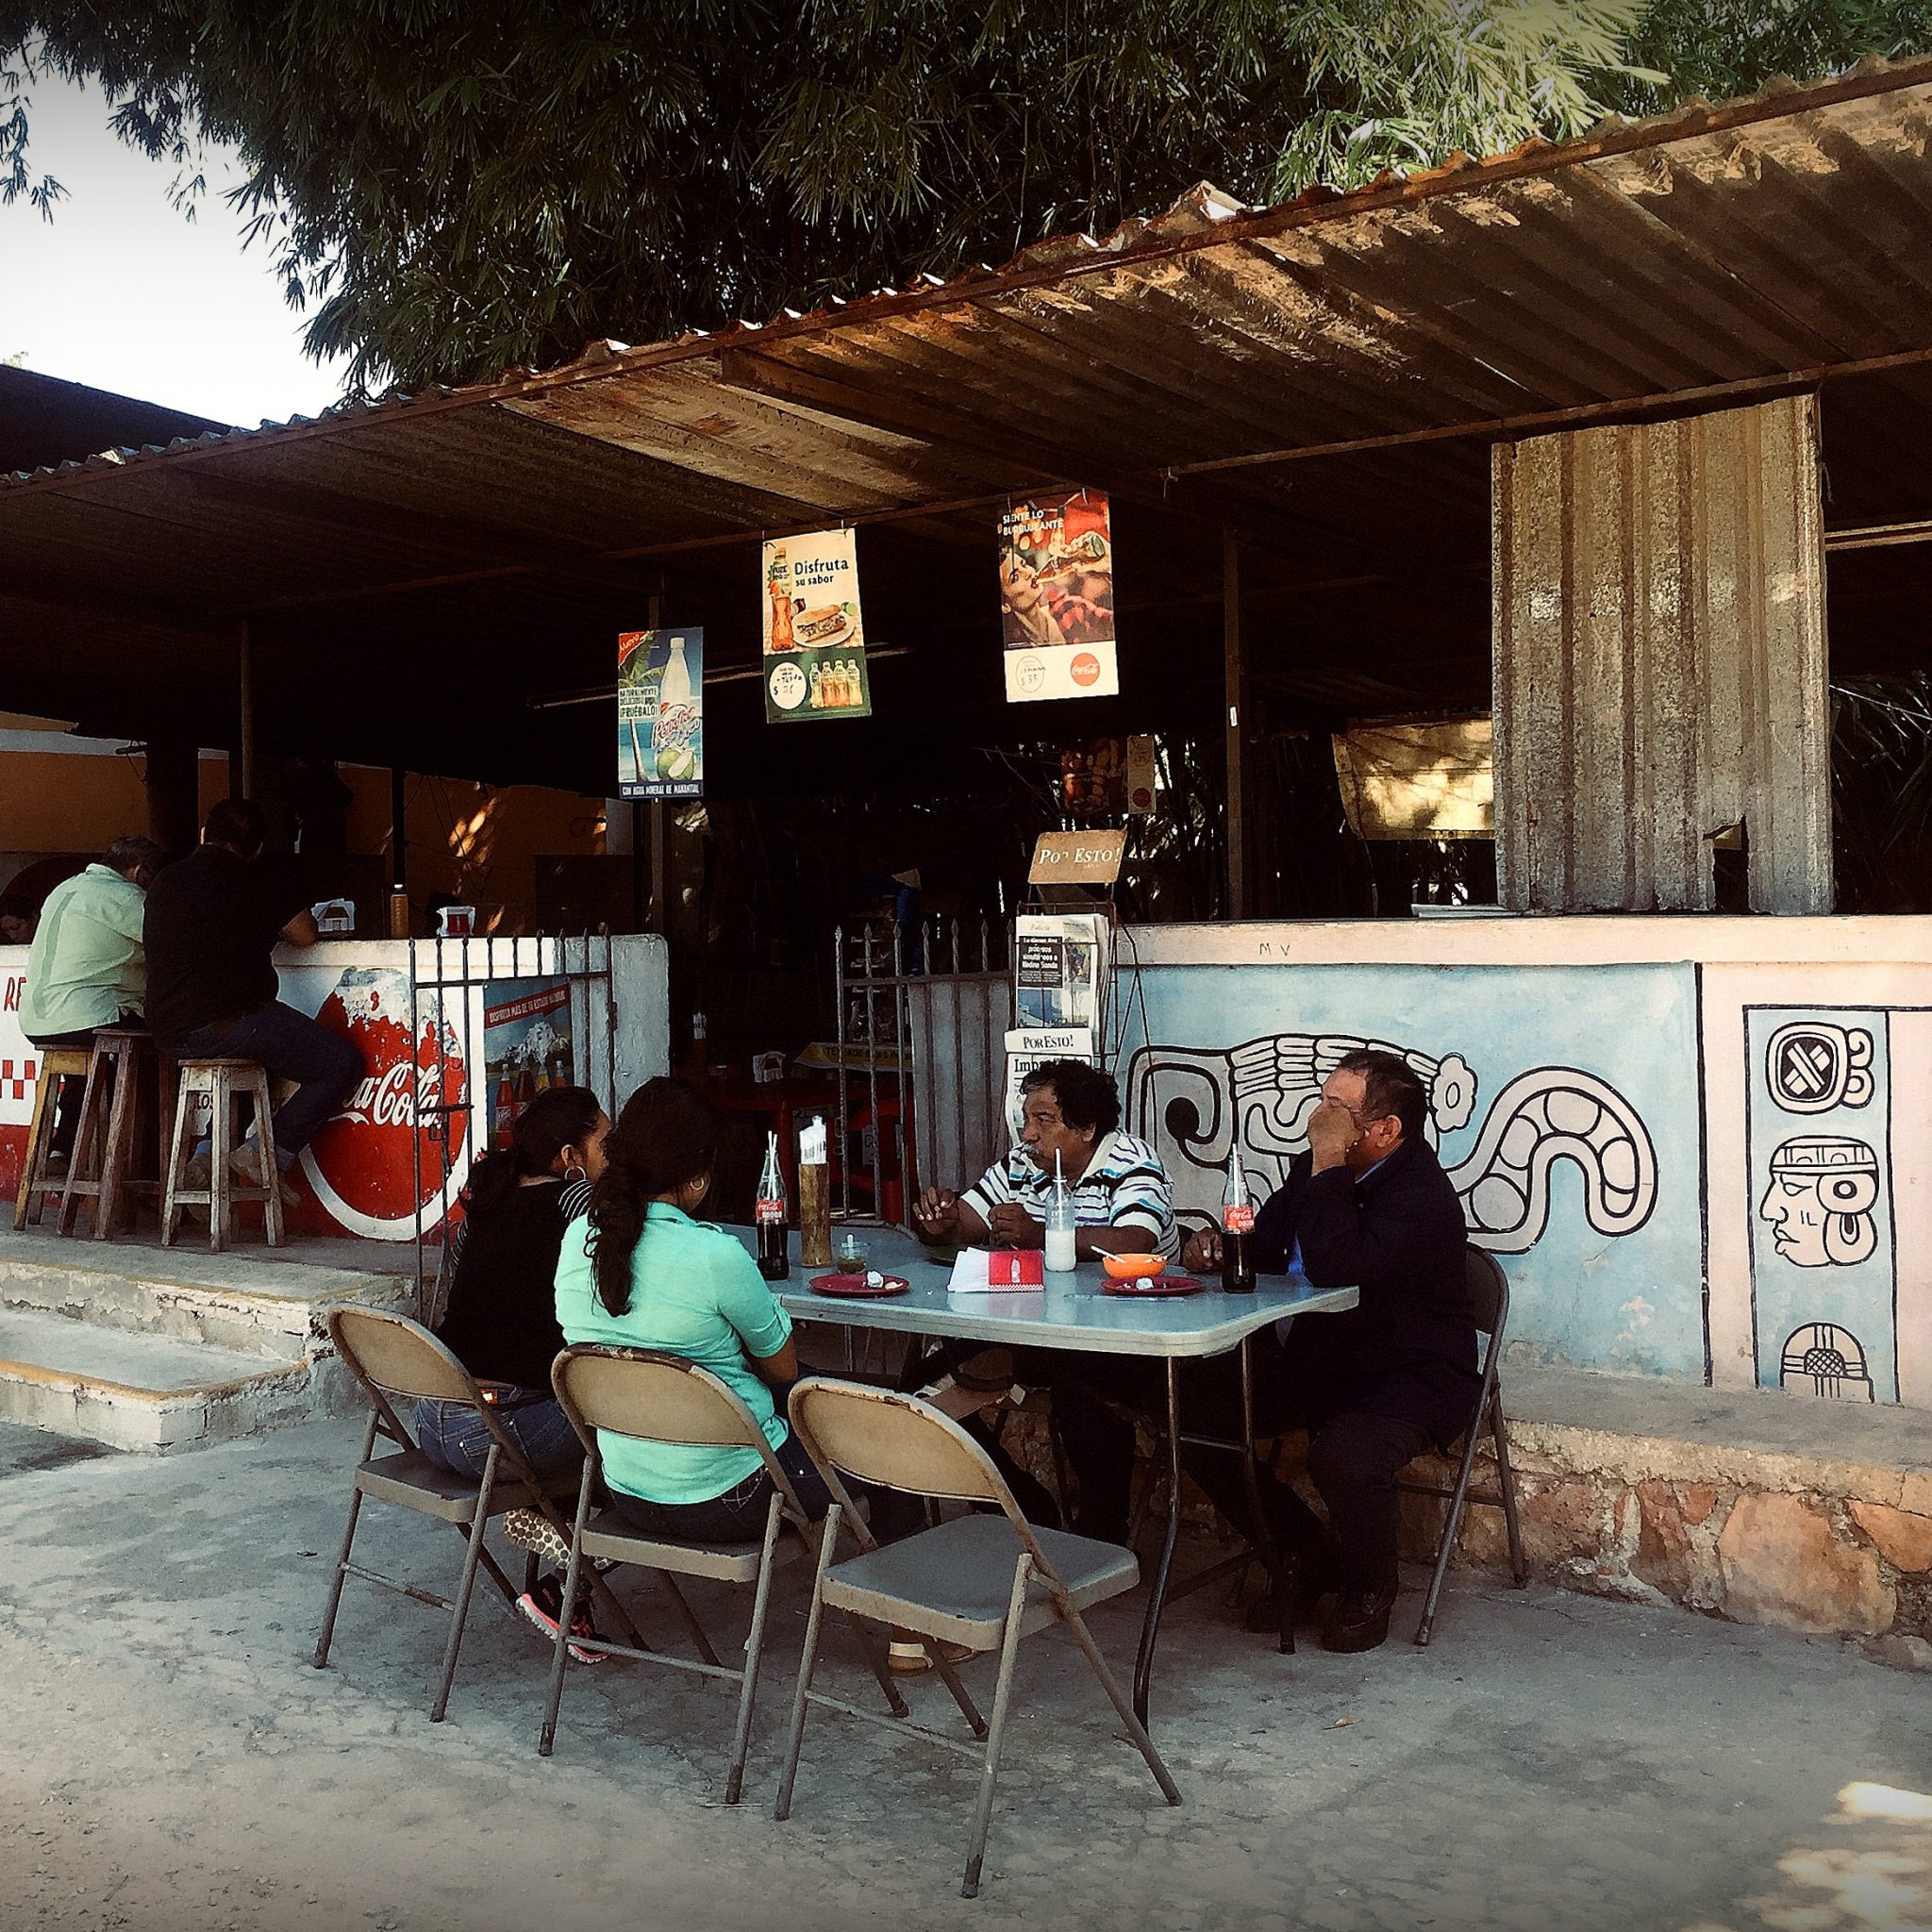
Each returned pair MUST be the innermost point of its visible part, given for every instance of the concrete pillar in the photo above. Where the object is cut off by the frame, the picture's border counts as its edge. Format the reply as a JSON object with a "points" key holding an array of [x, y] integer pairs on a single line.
{"points": [[173, 794]]}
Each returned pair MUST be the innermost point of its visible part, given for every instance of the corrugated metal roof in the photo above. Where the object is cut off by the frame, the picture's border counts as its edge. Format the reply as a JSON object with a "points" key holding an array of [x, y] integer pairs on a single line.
{"points": [[1190, 363], [1647, 258]]}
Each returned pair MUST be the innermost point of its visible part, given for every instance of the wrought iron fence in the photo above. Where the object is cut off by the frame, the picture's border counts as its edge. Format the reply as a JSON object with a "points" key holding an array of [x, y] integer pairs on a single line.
{"points": [[921, 1051], [470, 1086]]}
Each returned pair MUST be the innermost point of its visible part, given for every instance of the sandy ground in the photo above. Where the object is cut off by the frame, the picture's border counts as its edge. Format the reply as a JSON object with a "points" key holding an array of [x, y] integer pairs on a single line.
{"points": [[168, 1760]]}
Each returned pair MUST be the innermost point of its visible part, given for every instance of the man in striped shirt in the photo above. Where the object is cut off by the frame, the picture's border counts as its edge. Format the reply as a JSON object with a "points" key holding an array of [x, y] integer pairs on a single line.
{"points": [[1122, 1202]]}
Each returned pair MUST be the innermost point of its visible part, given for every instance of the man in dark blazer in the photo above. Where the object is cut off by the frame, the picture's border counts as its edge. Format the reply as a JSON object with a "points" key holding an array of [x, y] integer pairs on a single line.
{"points": [[1367, 1207]]}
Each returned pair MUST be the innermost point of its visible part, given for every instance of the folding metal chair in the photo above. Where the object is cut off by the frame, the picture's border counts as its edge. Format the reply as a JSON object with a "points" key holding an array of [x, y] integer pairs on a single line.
{"points": [[971, 1580], [1488, 1289], [391, 1356], [654, 1397]]}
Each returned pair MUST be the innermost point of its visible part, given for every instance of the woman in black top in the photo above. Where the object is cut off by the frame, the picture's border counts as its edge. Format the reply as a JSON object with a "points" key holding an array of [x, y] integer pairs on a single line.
{"points": [[501, 1321]]}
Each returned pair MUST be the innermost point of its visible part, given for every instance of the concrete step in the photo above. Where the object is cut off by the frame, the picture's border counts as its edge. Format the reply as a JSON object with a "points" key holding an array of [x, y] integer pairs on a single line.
{"points": [[234, 1302], [147, 1392]]}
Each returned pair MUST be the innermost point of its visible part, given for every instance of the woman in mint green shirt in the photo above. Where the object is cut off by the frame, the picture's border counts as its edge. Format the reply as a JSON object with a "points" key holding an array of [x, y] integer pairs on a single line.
{"points": [[642, 1273]]}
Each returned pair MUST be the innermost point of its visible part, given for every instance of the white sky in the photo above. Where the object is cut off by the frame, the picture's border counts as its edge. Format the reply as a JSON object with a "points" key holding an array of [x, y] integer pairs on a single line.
{"points": [[123, 292]]}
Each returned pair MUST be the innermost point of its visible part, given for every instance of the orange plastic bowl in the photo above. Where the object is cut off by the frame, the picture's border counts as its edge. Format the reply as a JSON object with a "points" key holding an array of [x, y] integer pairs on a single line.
{"points": [[1132, 1267]]}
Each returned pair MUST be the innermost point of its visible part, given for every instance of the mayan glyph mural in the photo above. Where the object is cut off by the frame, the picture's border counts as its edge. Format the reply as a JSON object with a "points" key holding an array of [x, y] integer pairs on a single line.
{"points": [[1819, 1149], [1193, 1105], [1558, 1105], [1711, 1169]]}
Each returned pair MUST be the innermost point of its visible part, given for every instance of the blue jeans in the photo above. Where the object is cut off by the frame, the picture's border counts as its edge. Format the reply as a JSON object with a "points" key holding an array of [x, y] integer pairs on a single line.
{"points": [[324, 1066], [455, 1438], [739, 1515]]}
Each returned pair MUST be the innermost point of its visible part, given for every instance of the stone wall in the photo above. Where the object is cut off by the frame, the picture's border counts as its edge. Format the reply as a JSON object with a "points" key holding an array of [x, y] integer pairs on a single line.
{"points": [[1809, 1557], [1750, 1504]]}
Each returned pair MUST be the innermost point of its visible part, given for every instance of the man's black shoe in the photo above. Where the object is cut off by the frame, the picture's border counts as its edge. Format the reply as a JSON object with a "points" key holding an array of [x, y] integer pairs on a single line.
{"points": [[1359, 1620], [1314, 1579]]}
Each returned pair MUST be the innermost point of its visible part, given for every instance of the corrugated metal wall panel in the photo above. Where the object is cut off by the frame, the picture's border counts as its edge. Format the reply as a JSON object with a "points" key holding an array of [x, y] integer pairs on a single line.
{"points": [[959, 1074], [1659, 634]]}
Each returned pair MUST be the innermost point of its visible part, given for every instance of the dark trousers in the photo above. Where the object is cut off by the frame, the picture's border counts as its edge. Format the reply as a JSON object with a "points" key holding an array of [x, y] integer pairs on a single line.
{"points": [[739, 1515], [1354, 1457], [73, 1087], [455, 1438], [324, 1066]]}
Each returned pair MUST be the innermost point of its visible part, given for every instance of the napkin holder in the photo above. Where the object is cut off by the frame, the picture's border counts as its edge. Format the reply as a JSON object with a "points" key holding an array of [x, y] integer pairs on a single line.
{"points": [[1015, 1268]]}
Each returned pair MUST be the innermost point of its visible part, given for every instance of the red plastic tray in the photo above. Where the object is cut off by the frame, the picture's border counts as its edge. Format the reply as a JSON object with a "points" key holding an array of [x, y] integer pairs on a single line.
{"points": [[856, 1286], [1140, 1289]]}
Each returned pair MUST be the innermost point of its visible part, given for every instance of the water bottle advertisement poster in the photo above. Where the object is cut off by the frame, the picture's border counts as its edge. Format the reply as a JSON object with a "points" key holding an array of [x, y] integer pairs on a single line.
{"points": [[1056, 598], [526, 1046], [814, 634], [660, 714]]}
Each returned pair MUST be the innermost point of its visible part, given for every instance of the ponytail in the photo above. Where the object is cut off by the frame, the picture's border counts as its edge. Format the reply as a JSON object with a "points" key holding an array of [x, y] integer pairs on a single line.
{"points": [[560, 1117], [666, 1134]]}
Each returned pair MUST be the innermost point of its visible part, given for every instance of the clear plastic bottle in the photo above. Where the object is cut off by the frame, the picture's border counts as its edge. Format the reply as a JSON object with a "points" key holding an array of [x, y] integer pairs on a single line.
{"points": [[1062, 1255], [676, 689]]}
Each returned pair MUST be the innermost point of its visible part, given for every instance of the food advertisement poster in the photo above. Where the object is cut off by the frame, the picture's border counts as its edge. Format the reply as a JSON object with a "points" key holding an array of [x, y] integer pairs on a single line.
{"points": [[814, 635], [1094, 778], [1143, 767], [660, 714], [526, 1046], [1056, 598]]}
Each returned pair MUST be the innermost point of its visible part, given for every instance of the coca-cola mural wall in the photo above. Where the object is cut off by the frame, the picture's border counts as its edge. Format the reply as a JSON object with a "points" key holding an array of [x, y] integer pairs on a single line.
{"points": [[362, 1173]]}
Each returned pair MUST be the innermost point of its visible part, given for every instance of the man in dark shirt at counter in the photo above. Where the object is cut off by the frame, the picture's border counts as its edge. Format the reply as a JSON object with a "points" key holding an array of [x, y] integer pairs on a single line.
{"points": [[1367, 1207], [210, 930]]}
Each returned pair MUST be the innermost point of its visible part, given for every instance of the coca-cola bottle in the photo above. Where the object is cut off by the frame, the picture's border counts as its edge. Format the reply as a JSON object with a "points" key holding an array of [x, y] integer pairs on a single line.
{"points": [[1237, 1229], [774, 1264]]}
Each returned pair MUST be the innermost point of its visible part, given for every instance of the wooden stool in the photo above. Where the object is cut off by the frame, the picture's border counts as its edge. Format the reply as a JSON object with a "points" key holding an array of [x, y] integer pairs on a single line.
{"points": [[106, 1150], [224, 1082], [57, 1062]]}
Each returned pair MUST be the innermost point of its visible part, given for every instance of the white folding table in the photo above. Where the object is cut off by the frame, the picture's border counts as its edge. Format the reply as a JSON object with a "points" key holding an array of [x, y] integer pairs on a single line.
{"points": [[1073, 1312]]}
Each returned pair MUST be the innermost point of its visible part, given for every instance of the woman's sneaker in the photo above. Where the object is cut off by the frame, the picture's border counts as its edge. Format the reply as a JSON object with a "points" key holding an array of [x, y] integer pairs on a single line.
{"points": [[530, 1531], [544, 1604]]}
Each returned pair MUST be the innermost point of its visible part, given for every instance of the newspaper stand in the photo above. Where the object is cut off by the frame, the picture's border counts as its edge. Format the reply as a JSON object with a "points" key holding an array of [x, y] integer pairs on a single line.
{"points": [[1063, 955]]}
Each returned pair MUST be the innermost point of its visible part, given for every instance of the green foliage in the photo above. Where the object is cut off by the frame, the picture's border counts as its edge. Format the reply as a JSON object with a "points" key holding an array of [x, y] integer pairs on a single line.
{"points": [[1415, 84], [1718, 49], [450, 188]]}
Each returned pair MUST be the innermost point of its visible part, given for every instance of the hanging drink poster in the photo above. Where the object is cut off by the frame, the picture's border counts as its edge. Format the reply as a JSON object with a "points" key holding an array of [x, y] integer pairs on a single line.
{"points": [[814, 635], [660, 714], [526, 1046], [1056, 598]]}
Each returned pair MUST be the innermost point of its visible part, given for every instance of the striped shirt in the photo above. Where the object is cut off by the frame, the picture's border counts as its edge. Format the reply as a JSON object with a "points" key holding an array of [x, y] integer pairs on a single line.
{"points": [[1124, 1187]]}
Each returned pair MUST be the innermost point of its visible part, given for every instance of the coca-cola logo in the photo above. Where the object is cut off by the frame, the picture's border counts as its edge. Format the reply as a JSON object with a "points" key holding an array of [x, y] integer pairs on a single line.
{"points": [[385, 1102], [365, 1163]]}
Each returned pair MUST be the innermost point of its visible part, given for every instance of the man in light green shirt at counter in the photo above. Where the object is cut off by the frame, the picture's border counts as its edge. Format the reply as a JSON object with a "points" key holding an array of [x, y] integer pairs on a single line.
{"points": [[87, 967]]}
